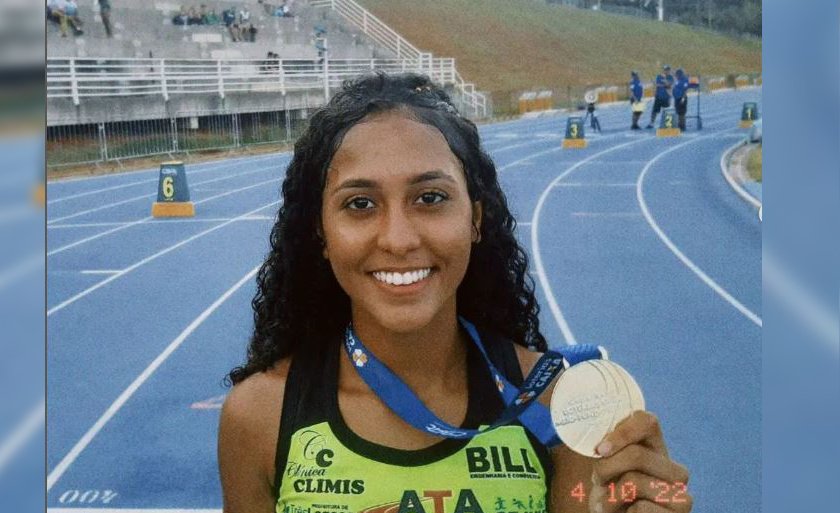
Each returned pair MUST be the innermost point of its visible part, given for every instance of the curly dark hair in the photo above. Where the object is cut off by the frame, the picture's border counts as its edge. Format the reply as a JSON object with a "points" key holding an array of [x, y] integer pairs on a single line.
{"points": [[299, 305]]}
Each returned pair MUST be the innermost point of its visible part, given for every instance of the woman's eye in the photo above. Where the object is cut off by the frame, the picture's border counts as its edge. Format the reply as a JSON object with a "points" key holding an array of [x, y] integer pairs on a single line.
{"points": [[360, 204], [430, 198]]}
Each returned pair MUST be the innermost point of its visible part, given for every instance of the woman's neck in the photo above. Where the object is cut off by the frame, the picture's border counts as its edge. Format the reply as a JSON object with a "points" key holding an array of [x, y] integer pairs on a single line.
{"points": [[432, 357]]}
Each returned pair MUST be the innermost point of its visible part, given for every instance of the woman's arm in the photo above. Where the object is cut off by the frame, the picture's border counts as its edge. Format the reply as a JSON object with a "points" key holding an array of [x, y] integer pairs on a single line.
{"points": [[248, 432]]}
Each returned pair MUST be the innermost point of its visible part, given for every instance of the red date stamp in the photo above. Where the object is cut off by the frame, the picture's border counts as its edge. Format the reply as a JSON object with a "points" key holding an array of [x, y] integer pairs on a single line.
{"points": [[628, 491]]}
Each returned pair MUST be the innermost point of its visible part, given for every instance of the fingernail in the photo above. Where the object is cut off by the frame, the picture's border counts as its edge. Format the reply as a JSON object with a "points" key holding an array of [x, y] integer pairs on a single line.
{"points": [[604, 448]]}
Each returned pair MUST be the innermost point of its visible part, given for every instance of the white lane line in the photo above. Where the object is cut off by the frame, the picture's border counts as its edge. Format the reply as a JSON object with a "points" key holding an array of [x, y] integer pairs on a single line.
{"points": [[101, 271], [111, 510], [679, 254], [584, 184], [191, 170], [12, 444], [62, 181], [160, 221], [535, 241], [724, 169], [523, 223], [68, 460], [606, 214], [148, 259], [153, 195], [146, 219]]}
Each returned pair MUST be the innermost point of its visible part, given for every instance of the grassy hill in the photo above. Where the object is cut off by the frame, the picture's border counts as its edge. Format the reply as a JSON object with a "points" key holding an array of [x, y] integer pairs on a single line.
{"points": [[508, 46]]}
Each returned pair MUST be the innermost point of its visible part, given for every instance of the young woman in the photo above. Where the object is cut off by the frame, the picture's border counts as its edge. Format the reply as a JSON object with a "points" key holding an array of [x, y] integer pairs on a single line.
{"points": [[394, 223]]}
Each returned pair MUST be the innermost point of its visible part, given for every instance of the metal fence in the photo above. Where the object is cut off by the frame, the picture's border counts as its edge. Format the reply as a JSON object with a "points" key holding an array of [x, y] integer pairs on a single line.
{"points": [[185, 133], [80, 78]]}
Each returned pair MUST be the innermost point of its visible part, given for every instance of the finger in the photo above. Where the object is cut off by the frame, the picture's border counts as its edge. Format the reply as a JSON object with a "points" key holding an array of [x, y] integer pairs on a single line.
{"points": [[640, 459], [636, 486], [645, 506], [640, 427]]}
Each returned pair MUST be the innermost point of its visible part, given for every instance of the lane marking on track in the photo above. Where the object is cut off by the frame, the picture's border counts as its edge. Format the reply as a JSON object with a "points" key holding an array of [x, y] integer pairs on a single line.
{"points": [[101, 271], [191, 171], [583, 184], [606, 214], [160, 221], [12, 444], [676, 251], [153, 195], [535, 241], [148, 259], [62, 181], [535, 249], [68, 459], [724, 160], [149, 218]]}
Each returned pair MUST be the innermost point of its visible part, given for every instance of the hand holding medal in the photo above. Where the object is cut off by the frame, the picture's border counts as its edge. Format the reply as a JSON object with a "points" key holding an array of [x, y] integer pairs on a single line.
{"points": [[597, 409]]}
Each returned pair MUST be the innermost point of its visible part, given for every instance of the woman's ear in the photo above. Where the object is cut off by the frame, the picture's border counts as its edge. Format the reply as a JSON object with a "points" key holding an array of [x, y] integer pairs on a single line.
{"points": [[476, 222]]}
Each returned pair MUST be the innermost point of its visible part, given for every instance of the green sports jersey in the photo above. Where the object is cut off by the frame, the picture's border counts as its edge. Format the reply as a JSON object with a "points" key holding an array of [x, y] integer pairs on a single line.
{"points": [[323, 467]]}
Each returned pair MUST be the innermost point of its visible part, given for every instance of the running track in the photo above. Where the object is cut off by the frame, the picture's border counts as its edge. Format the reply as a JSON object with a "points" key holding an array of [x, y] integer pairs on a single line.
{"points": [[636, 243]]}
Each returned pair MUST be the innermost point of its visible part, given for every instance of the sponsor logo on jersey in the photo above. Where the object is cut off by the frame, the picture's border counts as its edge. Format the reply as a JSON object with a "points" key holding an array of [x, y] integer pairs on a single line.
{"points": [[323, 485], [500, 462], [432, 501]]}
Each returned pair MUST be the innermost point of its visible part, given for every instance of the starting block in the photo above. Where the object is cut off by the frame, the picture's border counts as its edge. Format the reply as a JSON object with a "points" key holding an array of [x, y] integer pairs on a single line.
{"points": [[668, 126], [575, 137], [749, 113], [173, 193]]}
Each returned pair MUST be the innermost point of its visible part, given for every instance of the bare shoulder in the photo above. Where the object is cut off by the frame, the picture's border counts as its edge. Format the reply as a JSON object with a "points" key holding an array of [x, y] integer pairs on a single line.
{"points": [[251, 399], [248, 432]]}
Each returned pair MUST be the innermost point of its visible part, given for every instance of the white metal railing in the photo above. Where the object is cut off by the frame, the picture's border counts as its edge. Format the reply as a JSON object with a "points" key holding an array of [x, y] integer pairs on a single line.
{"points": [[77, 79], [374, 28]]}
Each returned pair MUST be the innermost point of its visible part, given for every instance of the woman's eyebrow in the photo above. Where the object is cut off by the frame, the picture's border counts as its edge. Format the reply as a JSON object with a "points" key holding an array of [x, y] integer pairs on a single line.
{"points": [[435, 174], [364, 183]]}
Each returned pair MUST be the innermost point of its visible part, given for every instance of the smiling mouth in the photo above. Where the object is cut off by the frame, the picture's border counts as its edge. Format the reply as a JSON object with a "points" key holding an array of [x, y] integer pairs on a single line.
{"points": [[403, 278]]}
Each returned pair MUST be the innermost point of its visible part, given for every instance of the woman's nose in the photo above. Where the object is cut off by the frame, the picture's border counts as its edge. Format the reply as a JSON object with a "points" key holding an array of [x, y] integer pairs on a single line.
{"points": [[397, 232]]}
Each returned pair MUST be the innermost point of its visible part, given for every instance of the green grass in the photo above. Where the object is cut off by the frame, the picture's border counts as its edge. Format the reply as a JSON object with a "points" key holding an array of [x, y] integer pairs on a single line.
{"points": [[506, 47], [754, 163]]}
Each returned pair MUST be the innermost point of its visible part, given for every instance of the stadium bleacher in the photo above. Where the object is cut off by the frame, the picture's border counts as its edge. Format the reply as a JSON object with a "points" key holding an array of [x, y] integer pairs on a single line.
{"points": [[145, 29]]}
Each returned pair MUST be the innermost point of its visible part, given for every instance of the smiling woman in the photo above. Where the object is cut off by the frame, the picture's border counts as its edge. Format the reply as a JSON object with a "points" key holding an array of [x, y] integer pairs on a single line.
{"points": [[394, 277]]}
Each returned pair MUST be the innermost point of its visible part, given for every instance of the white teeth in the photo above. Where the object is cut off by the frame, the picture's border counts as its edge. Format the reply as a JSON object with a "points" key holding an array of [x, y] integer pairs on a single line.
{"points": [[402, 278]]}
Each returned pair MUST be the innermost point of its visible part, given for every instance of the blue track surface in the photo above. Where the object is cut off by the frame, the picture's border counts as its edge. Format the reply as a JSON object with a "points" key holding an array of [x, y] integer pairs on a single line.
{"points": [[641, 246]]}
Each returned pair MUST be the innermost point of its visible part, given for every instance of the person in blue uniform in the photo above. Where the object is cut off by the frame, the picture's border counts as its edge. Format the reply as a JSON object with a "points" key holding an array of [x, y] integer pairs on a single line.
{"points": [[636, 103], [393, 224], [662, 96], [681, 87]]}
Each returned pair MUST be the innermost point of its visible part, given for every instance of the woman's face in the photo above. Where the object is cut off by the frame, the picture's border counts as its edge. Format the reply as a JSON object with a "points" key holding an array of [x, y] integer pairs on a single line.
{"points": [[397, 222]]}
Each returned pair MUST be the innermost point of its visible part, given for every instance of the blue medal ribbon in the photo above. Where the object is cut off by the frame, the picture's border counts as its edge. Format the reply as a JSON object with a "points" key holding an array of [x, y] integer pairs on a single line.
{"points": [[519, 402]]}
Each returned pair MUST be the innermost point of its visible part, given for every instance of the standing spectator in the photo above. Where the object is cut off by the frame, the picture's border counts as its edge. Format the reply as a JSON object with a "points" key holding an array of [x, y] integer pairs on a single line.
{"points": [[250, 32], [229, 17], [182, 18], [681, 88], [105, 14], [193, 18], [636, 103], [211, 18], [244, 16], [662, 97]]}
